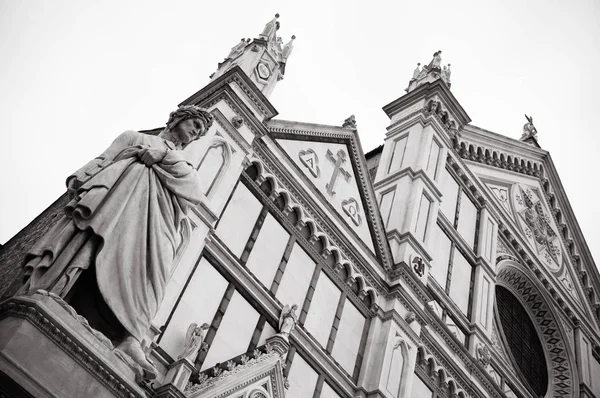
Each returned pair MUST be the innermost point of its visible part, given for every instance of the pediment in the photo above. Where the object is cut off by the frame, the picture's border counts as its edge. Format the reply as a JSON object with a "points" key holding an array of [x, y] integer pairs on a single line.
{"points": [[258, 377], [522, 200], [330, 162]]}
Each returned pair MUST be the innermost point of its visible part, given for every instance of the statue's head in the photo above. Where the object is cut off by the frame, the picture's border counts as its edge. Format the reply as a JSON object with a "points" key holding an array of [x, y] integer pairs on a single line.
{"points": [[188, 123], [204, 326]]}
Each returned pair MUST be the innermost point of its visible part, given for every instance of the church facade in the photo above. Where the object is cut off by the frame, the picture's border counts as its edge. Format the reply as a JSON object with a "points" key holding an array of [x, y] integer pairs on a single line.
{"points": [[445, 263]]}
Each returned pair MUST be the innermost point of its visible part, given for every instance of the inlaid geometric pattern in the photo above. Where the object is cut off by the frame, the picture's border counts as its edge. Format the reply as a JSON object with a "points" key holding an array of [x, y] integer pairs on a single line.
{"points": [[561, 374]]}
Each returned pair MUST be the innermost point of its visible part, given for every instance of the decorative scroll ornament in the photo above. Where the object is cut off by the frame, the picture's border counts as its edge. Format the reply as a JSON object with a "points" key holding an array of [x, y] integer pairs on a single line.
{"points": [[310, 160], [352, 210], [483, 355], [419, 266], [237, 122]]}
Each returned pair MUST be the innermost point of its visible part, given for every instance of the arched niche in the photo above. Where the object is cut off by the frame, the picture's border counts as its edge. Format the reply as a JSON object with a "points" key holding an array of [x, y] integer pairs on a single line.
{"points": [[213, 165], [560, 360], [395, 383]]}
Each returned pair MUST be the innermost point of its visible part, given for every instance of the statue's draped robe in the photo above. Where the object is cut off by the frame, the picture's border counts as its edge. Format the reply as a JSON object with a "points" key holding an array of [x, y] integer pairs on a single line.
{"points": [[124, 222]]}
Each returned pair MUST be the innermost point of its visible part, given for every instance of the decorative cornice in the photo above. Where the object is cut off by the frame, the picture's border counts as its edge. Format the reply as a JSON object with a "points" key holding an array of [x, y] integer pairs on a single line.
{"points": [[238, 76], [495, 158], [31, 310], [372, 209]]}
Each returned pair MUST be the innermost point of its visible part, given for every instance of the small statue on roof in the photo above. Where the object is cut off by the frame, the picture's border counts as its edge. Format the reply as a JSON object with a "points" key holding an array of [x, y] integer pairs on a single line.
{"points": [[446, 74], [350, 122], [437, 59], [529, 130]]}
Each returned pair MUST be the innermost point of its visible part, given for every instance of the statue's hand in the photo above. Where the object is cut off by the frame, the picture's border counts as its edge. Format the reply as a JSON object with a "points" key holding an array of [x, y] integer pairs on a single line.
{"points": [[149, 156]]}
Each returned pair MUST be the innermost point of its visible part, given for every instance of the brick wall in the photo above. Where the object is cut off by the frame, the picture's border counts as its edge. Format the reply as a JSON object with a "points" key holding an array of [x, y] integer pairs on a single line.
{"points": [[13, 251]]}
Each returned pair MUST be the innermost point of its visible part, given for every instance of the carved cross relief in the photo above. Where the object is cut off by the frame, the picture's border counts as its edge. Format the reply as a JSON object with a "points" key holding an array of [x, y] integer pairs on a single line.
{"points": [[310, 160], [337, 170]]}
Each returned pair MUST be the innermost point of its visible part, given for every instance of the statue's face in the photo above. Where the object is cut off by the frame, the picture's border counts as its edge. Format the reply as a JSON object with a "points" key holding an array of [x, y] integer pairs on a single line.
{"points": [[188, 130]]}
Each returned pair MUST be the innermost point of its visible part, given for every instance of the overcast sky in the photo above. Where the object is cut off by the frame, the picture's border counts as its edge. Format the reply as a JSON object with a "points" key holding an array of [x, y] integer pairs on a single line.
{"points": [[75, 74]]}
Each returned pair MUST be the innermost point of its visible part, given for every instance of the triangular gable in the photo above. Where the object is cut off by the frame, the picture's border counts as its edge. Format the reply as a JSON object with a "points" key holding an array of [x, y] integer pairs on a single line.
{"points": [[261, 376], [330, 159], [522, 199]]}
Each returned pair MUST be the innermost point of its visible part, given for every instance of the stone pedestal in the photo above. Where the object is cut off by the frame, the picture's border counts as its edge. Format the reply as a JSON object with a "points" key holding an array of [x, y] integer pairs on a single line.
{"points": [[176, 380], [46, 351], [280, 344]]}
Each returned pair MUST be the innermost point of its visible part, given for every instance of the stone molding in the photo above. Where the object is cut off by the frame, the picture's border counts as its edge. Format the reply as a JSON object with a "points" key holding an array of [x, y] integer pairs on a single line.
{"points": [[35, 311], [561, 376], [371, 208]]}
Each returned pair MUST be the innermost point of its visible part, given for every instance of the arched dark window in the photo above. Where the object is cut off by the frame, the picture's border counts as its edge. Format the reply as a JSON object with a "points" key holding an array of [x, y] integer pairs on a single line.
{"points": [[523, 341]]}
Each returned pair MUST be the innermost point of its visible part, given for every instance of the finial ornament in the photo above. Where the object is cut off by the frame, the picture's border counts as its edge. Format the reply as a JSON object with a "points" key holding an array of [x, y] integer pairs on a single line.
{"points": [[430, 72], [529, 130], [287, 49], [270, 28], [417, 71]]}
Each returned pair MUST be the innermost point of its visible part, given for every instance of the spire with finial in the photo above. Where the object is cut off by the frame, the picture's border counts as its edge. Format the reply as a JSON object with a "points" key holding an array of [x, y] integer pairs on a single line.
{"points": [[430, 72], [262, 59], [270, 29], [287, 49]]}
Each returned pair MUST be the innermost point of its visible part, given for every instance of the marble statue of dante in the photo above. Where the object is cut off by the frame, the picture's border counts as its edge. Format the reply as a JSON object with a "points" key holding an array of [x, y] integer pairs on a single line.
{"points": [[111, 254], [194, 339], [288, 320]]}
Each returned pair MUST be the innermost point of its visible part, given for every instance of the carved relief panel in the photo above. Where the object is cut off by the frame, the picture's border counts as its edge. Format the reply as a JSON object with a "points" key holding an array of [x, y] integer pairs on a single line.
{"points": [[538, 227]]}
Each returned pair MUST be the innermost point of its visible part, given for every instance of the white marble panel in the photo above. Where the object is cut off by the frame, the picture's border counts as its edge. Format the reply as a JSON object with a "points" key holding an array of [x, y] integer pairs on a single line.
{"points": [[441, 257], [267, 332], [302, 378], [267, 251], [595, 370], [322, 309], [328, 392], [234, 333], [449, 188], [467, 220], [397, 155], [347, 339], [239, 219], [420, 389], [460, 282], [198, 304], [433, 160], [296, 278], [422, 217], [385, 206]]}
